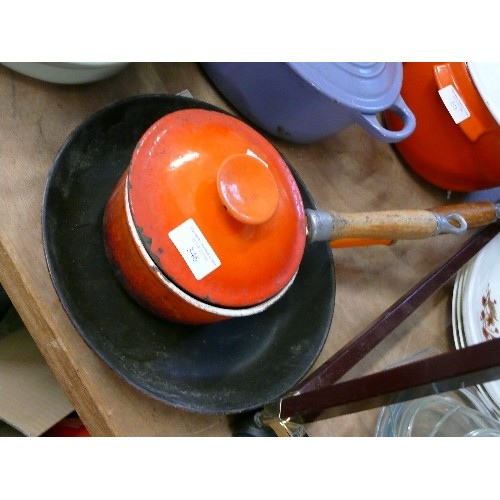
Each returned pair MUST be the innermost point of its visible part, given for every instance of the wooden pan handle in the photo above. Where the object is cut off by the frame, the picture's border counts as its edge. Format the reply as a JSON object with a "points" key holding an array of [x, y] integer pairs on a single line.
{"points": [[393, 225], [384, 227]]}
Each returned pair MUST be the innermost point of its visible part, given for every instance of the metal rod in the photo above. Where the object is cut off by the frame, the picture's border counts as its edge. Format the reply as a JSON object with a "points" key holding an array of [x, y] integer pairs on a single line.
{"points": [[449, 371], [318, 392]]}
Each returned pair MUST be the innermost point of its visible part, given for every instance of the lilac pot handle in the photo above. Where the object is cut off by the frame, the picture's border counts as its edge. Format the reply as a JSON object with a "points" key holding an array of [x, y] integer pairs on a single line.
{"points": [[371, 124]]}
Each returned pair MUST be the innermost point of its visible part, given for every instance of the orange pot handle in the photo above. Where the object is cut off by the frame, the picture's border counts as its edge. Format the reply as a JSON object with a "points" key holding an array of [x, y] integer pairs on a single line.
{"points": [[467, 110], [358, 242]]}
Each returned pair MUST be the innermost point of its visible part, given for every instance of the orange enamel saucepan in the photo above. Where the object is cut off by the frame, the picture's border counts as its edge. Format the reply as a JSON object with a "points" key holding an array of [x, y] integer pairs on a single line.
{"points": [[207, 222]]}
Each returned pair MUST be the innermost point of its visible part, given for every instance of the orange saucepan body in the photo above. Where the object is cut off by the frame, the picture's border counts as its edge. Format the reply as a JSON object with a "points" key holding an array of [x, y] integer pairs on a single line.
{"points": [[207, 222]]}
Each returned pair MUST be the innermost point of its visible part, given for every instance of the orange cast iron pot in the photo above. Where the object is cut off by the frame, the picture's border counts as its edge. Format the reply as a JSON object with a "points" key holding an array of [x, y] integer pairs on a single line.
{"points": [[462, 156], [207, 222]]}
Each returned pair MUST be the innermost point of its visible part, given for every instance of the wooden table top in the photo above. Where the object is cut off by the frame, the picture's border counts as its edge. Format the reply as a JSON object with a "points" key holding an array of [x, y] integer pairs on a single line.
{"points": [[351, 171]]}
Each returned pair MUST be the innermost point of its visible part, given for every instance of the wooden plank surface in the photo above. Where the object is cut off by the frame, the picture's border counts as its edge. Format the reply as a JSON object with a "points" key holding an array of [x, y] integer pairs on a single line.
{"points": [[349, 172]]}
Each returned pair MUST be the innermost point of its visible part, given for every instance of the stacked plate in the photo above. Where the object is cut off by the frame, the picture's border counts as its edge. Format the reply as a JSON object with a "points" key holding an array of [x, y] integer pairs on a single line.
{"points": [[474, 319]]}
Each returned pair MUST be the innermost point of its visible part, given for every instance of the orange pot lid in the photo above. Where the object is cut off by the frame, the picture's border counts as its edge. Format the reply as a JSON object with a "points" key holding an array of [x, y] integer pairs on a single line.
{"points": [[217, 208]]}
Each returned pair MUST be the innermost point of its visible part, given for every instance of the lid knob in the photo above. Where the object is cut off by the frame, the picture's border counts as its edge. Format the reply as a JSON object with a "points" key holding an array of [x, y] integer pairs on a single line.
{"points": [[247, 189]]}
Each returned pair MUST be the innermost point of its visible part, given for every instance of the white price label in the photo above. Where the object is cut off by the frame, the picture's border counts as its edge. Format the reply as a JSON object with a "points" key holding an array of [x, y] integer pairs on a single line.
{"points": [[194, 248], [454, 104]]}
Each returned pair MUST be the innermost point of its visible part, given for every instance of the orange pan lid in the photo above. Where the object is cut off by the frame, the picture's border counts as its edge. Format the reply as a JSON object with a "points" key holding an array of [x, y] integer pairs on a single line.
{"points": [[217, 208]]}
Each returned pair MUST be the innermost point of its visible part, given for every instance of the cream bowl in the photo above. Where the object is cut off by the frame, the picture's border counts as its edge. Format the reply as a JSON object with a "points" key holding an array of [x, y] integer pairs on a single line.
{"points": [[67, 72]]}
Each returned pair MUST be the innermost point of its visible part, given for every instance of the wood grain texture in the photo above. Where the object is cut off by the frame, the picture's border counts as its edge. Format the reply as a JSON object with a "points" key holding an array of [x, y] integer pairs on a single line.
{"points": [[349, 172], [389, 224]]}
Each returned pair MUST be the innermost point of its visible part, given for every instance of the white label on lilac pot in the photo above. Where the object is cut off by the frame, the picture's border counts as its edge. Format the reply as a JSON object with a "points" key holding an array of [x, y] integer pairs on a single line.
{"points": [[454, 104], [194, 248]]}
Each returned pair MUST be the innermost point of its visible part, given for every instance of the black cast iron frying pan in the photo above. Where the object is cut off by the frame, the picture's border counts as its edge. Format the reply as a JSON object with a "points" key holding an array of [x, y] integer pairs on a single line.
{"points": [[229, 367]]}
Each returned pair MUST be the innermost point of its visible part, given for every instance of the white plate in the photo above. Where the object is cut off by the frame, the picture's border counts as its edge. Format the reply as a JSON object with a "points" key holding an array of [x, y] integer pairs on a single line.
{"points": [[456, 309], [481, 295], [458, 330], [461, 335]]}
